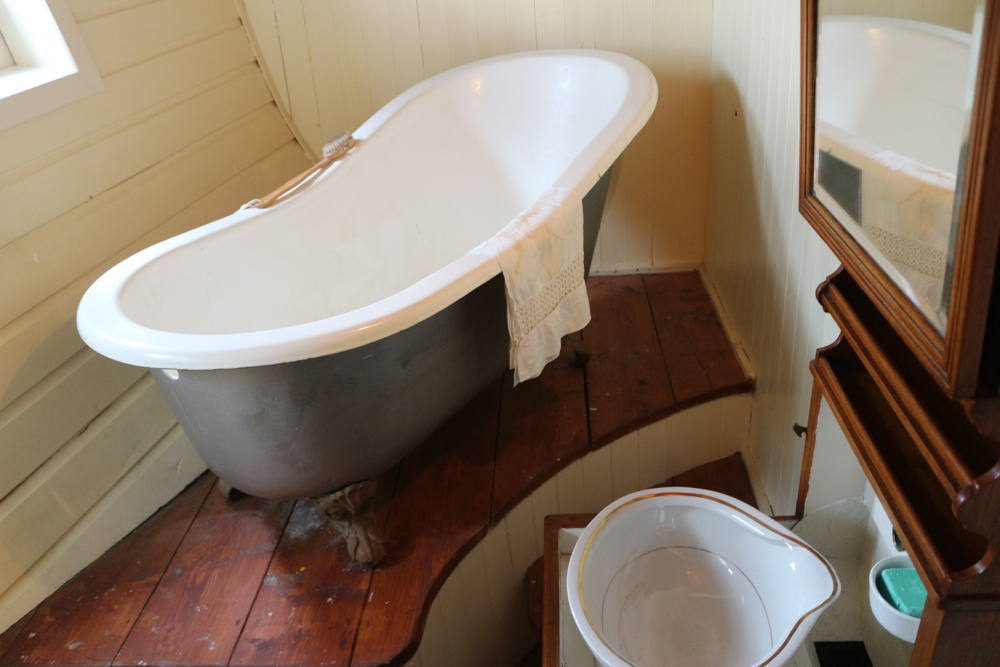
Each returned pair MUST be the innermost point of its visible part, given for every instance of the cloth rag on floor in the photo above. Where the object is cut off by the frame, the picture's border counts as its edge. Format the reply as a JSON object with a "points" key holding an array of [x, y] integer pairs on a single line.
{"points": [[541, 255]]}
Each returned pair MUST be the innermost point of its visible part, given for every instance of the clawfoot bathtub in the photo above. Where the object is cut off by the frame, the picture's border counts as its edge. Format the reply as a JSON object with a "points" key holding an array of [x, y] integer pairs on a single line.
{"points": [[310, 345]]}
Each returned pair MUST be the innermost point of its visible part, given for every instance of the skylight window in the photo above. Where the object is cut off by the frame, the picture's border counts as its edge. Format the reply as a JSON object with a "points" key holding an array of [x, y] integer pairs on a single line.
{"points": [[44, 63]]}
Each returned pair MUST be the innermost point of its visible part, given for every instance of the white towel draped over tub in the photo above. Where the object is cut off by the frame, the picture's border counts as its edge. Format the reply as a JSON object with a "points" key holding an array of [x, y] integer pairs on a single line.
{"points": [[541, 255]]}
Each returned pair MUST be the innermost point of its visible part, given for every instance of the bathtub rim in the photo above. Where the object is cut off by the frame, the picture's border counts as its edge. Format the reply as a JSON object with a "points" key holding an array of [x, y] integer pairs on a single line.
{"points": [[106, 328]]}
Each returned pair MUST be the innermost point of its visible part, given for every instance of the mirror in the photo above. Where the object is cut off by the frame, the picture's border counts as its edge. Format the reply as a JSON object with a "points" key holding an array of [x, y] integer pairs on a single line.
{"points": [[894, 96]]}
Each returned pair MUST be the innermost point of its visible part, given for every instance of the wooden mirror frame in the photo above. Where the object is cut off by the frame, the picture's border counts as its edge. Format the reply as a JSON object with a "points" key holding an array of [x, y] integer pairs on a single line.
{"points": [[953, 360]]}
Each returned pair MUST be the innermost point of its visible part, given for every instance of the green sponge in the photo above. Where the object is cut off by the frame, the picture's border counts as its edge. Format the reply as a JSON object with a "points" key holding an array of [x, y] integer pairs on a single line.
{"points": [[902, 587]]}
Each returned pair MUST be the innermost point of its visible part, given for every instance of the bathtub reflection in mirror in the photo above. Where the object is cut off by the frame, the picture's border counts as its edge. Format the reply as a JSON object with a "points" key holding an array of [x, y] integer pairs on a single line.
{"points": [[893, 101]]}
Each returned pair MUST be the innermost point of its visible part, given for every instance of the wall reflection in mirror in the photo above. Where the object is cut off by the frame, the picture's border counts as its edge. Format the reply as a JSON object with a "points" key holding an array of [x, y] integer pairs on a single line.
{"points": [[893, 100]]}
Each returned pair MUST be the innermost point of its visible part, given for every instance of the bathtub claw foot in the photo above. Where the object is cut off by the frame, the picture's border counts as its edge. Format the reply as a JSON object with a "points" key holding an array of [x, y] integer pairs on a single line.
{"points": [[351, 511], [581, 351], [228, 491]]}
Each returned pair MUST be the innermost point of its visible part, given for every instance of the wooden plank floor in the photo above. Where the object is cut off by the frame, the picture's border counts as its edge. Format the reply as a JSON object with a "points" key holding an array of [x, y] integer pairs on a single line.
{"points": [[259, 582]]}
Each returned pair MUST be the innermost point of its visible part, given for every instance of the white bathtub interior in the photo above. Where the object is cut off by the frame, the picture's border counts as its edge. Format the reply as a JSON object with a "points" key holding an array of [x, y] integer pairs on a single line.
{"points": [[463, 160]]}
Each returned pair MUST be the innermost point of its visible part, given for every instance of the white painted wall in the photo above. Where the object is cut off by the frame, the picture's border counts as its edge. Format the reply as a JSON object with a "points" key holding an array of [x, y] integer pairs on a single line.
{"points": [[185, 131], [332, 64], [763, 258]]}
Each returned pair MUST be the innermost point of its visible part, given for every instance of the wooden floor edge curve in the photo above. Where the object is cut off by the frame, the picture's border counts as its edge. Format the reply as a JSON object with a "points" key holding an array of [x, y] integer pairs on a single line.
{"points": [[658, 351]]}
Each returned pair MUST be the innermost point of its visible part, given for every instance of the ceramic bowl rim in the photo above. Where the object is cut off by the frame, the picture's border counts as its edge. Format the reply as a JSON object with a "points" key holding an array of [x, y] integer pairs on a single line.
{"points": [[901, 622], [579, 557]]}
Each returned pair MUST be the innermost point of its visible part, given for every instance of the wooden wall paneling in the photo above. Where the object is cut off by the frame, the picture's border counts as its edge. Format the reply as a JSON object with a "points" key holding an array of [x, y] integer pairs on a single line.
{"points": [[625, 465], [206, 208], [521, 535], [197, 612], [379, 52], [550, 24], [128, 34], [506, 593], [908, 9], [652, 454], [758, 252], [331, 103], [37, 343], [596, 480], [354, 63], [310, 583], [434, 645], [168, 467], [457, 621], [491, 28], [479, 607], [639, 188], [36, 514], [30, 200], [747, 85], [434, 44], [140, 89], [45, 337], [544, 501], [768, 233], [406, 50], [775, 348], [60, 251], [668, 124], [569, 488], [626, 375], [55, 410], [463, 43], [437, 503], [264, 36], [521, 25], [580, 28], [88, 622], [694, 146], [682, 431], [294, 40]]}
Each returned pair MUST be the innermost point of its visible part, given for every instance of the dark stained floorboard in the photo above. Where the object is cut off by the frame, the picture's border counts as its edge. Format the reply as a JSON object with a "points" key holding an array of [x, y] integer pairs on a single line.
{"points": [[627, 382], [199, 607], [86, 621], [699, 357], [10, 636], [437, 516], [728, 475], [308, 610], [543, 428], [250, 585]]}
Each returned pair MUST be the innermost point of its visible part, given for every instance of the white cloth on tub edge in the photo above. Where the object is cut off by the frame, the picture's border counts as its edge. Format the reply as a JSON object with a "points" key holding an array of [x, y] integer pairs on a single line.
{"points": [[541, 255]]}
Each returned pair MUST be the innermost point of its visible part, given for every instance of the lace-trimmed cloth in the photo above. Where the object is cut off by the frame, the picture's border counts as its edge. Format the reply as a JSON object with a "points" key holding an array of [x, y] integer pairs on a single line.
{"points": [[541, 255]]}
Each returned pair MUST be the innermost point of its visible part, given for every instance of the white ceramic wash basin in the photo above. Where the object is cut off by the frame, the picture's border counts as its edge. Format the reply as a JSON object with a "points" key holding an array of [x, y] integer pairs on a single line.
{"points": [[689, 577]]}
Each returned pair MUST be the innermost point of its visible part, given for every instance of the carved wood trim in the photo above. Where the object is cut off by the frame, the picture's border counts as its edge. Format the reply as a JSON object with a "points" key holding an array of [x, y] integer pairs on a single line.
{"points": [[953, 359]]}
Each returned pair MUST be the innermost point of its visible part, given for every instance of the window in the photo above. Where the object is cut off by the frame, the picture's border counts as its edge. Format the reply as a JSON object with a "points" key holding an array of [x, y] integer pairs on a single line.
{"points": [[44, 63]]}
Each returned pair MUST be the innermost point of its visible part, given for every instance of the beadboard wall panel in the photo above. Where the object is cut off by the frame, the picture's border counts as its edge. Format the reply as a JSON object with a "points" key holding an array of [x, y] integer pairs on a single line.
{"points": [[332, 64], [184, 133], [763, 258], [470, 623]]}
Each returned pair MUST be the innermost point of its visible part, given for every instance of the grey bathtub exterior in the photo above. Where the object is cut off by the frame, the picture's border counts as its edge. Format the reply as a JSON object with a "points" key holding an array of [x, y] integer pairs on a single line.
{"points": [[310, 427]]}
